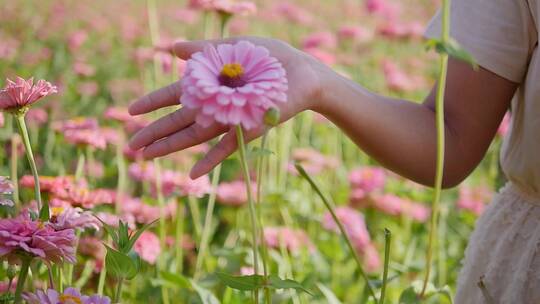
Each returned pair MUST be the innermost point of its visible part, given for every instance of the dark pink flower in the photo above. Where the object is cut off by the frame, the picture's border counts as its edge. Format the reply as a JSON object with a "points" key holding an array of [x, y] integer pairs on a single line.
{"points": [[22, 93], [366, 180], [292, 239], [233, 84], [354, 224], [148, 247], [233, 193], [37, 239]]}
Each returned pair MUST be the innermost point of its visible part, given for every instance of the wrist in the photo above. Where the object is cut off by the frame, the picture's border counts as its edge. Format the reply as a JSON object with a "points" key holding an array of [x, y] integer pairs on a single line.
{"points": [[324, 89]]}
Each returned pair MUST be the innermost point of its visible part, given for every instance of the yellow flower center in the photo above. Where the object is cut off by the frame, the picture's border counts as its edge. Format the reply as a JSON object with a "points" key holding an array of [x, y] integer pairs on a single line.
{"points": [[69, 299], [232, 70], [56, 211]]}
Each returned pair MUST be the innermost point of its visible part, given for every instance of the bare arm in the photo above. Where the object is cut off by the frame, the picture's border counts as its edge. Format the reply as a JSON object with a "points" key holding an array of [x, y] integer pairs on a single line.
{"points": [[399, 134]]}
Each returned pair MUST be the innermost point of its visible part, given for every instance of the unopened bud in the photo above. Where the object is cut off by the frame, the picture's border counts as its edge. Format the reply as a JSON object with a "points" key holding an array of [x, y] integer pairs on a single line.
{"points": [[272, 117]]}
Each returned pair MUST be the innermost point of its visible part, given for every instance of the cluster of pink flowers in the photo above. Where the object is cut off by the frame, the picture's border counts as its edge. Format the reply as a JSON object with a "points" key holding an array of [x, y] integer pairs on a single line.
{"points": [[22, 235], [69, 296], [143, 213], [73, 218], [365, 181], [233, 84], [234, 193], [292, 239], [312, 160], [148, 247], [23, 93], [84, 132], [355, 227], [474, 199]]}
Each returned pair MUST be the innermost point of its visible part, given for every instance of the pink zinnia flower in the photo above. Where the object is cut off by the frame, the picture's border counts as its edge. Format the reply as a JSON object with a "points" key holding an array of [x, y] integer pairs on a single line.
{"points": [[293, 13], [355, 33], [383, 8], [233, 193], [92, 138], [23, 93], [292, 239], [320, 39], [197, 188], [312, 160], [321, 55], [233, 84], [148, 247], [36, 238], [69, 296], [366, 180], [79, 123], [1, 119], [37, 116], [142, 172], [354, 224], [399, 80]]}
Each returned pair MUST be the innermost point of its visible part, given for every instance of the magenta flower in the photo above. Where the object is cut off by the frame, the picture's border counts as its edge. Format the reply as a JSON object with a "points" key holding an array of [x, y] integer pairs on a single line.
{"points": [[23, 93], [233, 84], [148, 247], [69, 296], [37, 239]]}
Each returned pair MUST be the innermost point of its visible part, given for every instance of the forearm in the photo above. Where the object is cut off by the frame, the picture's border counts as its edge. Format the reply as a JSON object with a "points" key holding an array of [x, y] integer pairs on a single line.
{"points": [[397, 133]]}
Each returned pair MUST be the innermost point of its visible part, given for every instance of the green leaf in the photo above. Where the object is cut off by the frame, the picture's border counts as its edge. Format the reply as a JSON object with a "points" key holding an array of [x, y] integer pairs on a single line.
{"points": [[246, 283], [177, 279], [277, 283], [206, 296], [120, 265], [409, 296], [137, 234], [328, 294], [109, 230], [453, 49]]}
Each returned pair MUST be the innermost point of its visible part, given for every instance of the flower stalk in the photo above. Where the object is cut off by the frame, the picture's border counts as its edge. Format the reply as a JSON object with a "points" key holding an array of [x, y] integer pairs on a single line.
{"points": [[439, 117], [23, 274], [251, 205], [387, 241], [43, 208]]}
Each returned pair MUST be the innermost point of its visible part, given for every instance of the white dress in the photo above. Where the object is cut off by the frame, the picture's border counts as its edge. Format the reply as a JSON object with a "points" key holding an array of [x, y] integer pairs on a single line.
{"points": [[504, 250]]}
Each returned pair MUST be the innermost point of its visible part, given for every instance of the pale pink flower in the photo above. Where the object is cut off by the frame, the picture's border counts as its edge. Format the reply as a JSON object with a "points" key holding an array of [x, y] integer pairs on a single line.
{"points": [[88, 88], [245, 270], [371, 258], [142, 171], [395, 29], [92, 247], [234, 7], [41, 240], [37, 116], [292, 239], [143, 213], [6, 189], [312, 160], [233, 84], [416, 211], [76, 40], [505, 124], [23, 93], [84, 69], [69, 296], [197, 188], [148, 247], [187, 16], [73, 218], [1, 119], [355, 33], [88, 137], [323, 39], [383, 8], [293, 13], [234, 193], [397, 79], [78, 195], [48, 183], [112, 219], [388, 203], [474, 199], [79, 123]]}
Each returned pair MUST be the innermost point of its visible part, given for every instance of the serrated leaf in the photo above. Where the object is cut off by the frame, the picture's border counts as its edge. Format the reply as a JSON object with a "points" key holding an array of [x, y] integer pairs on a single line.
{"points": [[278, 283], [206, 296], [453, 49], [245, 283], [120, 265], [328, 294], [177, 279], [137, 235]]}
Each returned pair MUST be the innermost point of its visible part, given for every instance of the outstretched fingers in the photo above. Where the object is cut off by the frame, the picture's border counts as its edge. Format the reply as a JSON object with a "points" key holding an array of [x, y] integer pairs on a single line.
{"points": [[183, 139], [166, 96], [223, 149], [163, 127]]}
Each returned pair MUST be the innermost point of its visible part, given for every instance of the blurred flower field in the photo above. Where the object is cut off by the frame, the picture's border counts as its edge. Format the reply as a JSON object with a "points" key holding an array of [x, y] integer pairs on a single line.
{"points": [[121, 229]]}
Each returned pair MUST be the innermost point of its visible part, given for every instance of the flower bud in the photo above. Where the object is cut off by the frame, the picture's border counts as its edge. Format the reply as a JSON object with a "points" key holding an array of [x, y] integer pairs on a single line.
{"points": [[272, 117]]}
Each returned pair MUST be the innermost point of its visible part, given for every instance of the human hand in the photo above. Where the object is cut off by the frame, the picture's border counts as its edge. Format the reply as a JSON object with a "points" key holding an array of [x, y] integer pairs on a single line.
{"points": [[178, 130]]}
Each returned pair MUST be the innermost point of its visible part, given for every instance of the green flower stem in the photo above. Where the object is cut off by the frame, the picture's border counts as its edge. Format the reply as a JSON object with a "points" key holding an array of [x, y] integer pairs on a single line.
{"points": [[22, 278], [205, 240], [330, 208], [252, 213], [439, 113], [264, 248], [162, 227], [103, 275], [196, 218], [71, 267], [387, 240], [43, 211], [13, 165], [118, 290], [179, 231], [80, 165]]}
